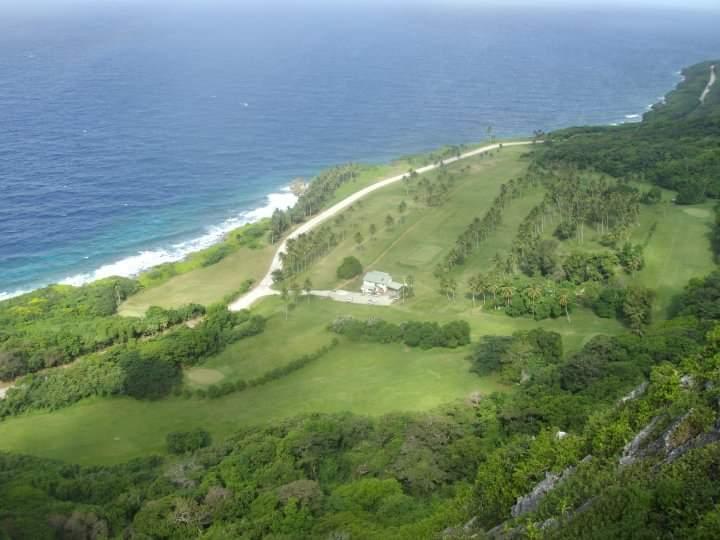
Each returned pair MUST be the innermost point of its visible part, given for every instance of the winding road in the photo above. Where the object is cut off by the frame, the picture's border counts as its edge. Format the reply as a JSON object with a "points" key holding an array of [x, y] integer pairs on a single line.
{"points": [[264, 287]]}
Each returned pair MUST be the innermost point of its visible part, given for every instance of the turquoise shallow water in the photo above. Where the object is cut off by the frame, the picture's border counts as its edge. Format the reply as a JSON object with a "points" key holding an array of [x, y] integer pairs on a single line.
{"points": [[133, 134]]}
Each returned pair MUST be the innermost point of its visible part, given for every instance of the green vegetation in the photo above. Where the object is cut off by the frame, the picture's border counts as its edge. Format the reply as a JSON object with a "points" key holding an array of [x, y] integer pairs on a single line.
{"points": [[182, 442], [498, 397], [142, 369], [425, 335], [55, 325], [674, 146], [349, 268]]}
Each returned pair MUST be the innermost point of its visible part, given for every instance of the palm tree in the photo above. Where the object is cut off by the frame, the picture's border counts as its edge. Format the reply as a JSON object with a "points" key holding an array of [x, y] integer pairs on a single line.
{"points": [[498, 262], [483, 284], [408, 284], [507, 293], [473, 286], [451, 288], [564, 300], [534, 292], [494, 287]]}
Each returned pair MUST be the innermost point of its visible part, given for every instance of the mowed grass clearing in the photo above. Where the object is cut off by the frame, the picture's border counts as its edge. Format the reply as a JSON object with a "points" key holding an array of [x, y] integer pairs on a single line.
{"points": [[203, 285], [305, 331], [363, 378], [677, 250], [422, 235]]}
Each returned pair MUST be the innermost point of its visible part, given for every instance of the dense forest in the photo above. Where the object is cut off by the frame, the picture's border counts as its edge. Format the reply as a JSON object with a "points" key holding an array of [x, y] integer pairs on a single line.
{"points": [[675, 146], [619, 439]]}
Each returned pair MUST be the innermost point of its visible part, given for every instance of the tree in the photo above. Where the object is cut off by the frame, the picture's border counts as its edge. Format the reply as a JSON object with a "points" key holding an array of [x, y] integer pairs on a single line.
{"points": [[389, 221], [564, 301], [373, 230], [358, 238], [408, 289], [181, 442], [637, 307], [307, 287], [449, 287], [349, 268], [534, 292], [507, 293], [476, 286]]}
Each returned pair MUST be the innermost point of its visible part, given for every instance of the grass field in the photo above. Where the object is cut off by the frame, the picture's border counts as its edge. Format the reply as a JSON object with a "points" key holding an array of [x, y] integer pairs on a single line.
{"points": [[359, 377], [364, 378], [420, 238], [203, 285], [677, 250]]}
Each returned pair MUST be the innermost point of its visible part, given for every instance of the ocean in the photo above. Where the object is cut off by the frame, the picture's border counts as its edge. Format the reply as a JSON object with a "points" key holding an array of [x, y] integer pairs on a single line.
{"points": [[134, 133]]}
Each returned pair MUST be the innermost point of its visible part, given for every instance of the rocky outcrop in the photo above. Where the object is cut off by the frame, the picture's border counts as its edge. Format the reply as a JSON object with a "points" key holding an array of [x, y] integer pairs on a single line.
{"points": [[631, 451], [636, 393], [697, 442], [530, 502]]}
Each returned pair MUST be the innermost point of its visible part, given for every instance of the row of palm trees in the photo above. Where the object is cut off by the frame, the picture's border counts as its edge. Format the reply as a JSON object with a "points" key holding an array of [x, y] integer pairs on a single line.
{"points": [[480, 228]]}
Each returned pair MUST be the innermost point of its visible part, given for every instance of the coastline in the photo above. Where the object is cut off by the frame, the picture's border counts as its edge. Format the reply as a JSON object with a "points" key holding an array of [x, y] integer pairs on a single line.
{"points": [[143, 261]]}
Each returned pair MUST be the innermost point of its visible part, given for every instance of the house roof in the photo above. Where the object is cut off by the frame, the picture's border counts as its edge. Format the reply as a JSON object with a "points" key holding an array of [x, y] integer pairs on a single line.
{"points": [[382, 278]]}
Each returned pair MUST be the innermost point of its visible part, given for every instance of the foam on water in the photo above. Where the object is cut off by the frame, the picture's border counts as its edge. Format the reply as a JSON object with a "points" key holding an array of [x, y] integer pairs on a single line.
{"points": [[135, 264]]}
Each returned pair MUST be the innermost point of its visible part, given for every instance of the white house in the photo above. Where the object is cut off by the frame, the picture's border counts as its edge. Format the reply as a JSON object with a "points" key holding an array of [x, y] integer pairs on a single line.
{"points": [[380, 283]]}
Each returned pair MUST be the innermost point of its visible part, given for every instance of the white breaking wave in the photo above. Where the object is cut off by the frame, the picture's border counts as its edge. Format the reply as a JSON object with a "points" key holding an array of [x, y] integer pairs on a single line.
{"points": [[632, 116], [144, 260]]}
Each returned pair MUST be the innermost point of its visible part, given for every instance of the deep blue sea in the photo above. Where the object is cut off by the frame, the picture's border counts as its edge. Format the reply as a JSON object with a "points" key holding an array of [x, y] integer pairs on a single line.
{"points": [[132, 133]]}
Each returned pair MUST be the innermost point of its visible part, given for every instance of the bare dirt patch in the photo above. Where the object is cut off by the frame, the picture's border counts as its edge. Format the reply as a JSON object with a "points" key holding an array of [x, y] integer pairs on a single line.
{"points": [[204, 376], [697, 212]]}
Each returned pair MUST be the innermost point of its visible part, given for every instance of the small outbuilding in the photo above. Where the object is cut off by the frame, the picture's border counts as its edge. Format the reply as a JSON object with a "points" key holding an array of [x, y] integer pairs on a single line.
{"points": [[379, 283]]}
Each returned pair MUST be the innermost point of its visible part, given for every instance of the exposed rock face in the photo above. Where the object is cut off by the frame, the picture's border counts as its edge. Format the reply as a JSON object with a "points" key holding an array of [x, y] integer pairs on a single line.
{"points": [[673, 443], [636, 393], [530, 502], [631, 451], [697, 442]]}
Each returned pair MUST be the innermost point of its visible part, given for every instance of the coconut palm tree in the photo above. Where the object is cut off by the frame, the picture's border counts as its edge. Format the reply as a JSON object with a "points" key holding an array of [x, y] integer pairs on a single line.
{"points": [[507, 293], [474, 286], [534, 292], [564, 301]]}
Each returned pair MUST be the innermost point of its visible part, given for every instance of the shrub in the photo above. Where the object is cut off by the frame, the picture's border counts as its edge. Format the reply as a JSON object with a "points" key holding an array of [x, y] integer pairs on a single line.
{"points": [[148, 378], [181, 442], [349, 268]]}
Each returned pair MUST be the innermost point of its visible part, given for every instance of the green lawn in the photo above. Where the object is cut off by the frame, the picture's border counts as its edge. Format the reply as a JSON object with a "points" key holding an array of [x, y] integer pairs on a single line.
{"points": [[358, 377], [364, 378], [677, 250], [421, 237], [203, 285]]}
